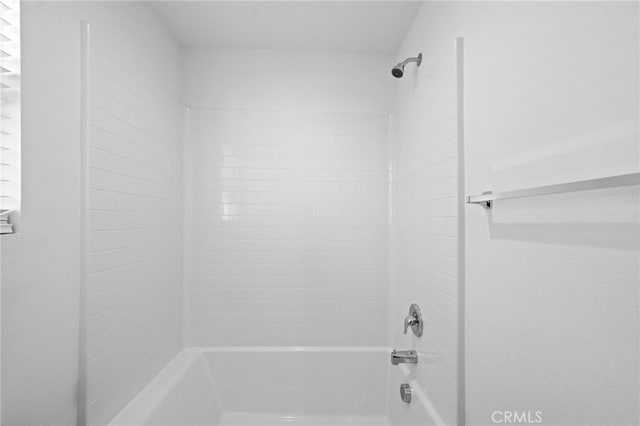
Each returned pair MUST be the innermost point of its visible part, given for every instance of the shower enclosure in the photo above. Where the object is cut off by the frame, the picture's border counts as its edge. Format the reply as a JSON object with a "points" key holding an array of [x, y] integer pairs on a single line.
{"points": [[273, 230]]}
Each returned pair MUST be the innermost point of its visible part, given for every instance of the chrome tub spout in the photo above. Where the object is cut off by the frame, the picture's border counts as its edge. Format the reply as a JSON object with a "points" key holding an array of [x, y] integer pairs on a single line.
{"points": [[404, 357]]}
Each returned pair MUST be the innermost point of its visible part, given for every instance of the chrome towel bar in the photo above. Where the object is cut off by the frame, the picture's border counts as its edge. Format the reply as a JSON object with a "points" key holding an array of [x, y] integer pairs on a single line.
{"points": [[486, 198]]}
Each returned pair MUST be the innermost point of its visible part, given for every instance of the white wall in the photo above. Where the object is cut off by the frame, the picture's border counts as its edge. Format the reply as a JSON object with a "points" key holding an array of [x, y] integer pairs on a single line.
{"points": [[134, 149], [552, 283], [289, 198], [40, 281]]}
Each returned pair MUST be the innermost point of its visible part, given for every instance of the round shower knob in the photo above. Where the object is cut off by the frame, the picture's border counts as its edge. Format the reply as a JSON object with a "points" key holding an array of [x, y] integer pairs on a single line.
{"points": [[405, 392]]}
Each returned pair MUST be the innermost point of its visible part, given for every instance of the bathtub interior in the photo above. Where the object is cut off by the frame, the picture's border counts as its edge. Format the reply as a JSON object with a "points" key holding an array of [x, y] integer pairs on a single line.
{"points": [[278, 386]]}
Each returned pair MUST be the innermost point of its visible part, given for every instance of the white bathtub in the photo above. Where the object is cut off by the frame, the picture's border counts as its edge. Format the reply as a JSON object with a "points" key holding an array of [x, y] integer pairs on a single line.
{"points": [[264, 386]]}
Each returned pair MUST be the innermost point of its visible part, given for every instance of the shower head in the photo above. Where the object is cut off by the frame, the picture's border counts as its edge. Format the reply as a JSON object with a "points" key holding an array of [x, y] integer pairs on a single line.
{"points": [[398, 70]]}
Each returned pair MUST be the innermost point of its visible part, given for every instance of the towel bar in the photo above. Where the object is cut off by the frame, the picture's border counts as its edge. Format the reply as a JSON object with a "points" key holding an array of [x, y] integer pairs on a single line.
{"points": [[486, 198]]}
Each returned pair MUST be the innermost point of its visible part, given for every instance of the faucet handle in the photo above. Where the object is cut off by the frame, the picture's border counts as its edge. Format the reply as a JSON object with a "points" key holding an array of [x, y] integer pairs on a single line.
{"points": [[410, 321], [414, 320]]}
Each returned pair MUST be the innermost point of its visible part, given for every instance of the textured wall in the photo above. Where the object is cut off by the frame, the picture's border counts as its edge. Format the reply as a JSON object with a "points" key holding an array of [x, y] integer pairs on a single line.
{"points": [[561, 271], [40, 281]]}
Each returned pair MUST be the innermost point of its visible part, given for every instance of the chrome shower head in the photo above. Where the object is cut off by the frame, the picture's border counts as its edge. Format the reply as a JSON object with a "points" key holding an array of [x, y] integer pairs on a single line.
{"points": [[398, 70]]}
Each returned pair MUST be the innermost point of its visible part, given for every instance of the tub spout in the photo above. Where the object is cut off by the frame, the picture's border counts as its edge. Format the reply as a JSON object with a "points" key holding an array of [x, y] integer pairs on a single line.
{"points": [[404, 357]]}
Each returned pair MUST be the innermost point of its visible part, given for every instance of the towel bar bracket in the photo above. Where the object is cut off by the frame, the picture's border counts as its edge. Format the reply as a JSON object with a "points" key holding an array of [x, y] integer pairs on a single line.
{"points": [[484, 203]]}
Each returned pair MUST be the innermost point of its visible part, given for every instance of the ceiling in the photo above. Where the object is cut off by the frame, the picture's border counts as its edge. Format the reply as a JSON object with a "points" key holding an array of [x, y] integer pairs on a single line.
{"points": [[351, 26]]}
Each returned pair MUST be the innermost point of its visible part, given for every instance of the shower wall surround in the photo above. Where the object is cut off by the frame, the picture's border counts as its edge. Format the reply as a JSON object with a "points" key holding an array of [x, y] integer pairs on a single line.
{"points": [[424, 250], [133, 287], [289, 229], [288, 224]]}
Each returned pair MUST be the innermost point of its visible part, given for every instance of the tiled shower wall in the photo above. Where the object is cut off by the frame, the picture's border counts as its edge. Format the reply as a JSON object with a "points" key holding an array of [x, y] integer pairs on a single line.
{"points": [[425, 220], [288, 228], [134, 270]]}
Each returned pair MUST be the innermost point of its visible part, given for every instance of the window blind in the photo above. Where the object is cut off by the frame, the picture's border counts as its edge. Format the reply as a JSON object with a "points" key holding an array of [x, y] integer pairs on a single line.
{"points": [[9, 112]]}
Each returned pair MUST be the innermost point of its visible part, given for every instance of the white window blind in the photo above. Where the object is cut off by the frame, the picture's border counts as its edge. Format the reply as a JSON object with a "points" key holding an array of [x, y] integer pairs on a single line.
{"points": [[9, 112]]}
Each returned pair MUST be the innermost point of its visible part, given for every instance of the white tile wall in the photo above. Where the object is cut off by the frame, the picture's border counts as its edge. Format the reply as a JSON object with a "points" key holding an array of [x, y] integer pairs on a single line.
{"points": [[424, 225], [134, 283], [289, 228]]}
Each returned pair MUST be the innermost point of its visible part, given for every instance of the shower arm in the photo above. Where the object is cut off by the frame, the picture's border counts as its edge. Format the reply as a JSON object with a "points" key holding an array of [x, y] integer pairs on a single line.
{"points": [[417, 60]]}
